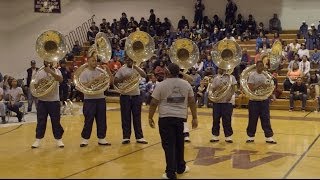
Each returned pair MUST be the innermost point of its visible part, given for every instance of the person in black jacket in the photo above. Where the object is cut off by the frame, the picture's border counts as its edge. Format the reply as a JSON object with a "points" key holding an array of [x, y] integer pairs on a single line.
{"points": [[30, 73], [298, 92]]}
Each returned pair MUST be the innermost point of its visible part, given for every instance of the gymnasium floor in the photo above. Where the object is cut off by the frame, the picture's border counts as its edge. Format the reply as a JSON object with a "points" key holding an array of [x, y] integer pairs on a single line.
{"points": [[297, 154]]}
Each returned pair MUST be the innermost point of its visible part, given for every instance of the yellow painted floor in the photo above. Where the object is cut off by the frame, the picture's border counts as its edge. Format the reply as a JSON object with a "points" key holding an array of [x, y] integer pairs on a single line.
{"points": [[297, 154]]}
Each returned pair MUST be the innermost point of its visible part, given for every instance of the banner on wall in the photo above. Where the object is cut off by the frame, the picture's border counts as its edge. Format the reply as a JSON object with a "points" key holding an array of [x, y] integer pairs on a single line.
{"points": [[47, 6]]}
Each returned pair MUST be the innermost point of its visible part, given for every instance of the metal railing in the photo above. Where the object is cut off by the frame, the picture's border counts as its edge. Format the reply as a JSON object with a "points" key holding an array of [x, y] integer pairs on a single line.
{"points": [[79, 34]]}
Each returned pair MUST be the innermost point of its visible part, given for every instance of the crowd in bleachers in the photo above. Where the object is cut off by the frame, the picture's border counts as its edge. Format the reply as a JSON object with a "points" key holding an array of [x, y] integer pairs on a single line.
{"points": [[205, 32]]}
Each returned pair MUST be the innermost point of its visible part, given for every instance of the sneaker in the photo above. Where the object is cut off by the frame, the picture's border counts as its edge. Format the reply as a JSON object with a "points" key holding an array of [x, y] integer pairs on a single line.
{"points": [[142, 141], [270, 140], [187, 139], [125, 141], [164, 176], [215, 139], [229, 139], [250, 140], [187, 169], [3, 120], [303, 110], [36, 144], [291, 109], [103, 142], [84, 143], [60, 143]]}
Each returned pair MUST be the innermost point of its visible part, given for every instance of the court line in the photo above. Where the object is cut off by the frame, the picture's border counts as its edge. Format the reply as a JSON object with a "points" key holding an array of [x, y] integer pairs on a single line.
{"points": [[307, 114], [114, 159], [302, 156], [11, 130]]}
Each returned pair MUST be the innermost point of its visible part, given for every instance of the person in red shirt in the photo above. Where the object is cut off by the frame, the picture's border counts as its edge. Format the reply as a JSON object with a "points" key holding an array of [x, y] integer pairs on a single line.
{"points": [[114, 64]]}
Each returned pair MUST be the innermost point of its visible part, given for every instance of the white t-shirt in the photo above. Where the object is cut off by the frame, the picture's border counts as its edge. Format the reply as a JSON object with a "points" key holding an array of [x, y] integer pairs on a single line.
{"points": [[88, 75], [14, 93], [125, 71], [218, 81], [54, 94], [172, 94], [257, 79]]}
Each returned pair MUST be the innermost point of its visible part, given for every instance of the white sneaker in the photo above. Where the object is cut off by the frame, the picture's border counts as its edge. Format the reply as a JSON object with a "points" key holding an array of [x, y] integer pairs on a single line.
{"points": [[270, 140], [84, 143], [187, 139], [36, 144], [103, 142], [214, 138], [250, 140], [164, 176], [229, 139], [60, 143], [186, 170], [142, 141]]}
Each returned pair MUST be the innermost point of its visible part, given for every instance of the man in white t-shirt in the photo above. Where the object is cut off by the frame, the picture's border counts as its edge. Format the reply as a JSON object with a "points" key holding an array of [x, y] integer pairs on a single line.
{"points": [[94, 106], [223, 108], [2, 107], [130, 103], [49, 104], [173, 95], [259, 108]]}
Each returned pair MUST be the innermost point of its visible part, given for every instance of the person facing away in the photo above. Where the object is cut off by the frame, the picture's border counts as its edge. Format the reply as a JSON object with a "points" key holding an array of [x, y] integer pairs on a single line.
{"points": [[173, 95]]}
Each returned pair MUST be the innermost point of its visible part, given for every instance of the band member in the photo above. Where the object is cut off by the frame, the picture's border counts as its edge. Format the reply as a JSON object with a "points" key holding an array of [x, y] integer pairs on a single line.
{"points": [[259, 108], [30, 73], [15, 94], [94, 106], [173, 95], [130, 103], [49, 104], [223, 108]]}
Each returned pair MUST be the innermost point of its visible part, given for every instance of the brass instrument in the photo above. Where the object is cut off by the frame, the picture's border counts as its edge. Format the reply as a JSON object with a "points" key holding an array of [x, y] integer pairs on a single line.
{"points": [[102, 49], [273, 58], [226, 54], [139, 47], [261, 93], [51, 47], [184, 52]]}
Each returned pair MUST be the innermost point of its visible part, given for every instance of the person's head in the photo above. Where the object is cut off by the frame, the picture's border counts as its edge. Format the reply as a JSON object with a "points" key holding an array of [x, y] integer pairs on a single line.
{"points": [[183, 18], [275, 15], [161, 64], [33, 63], [221, 71], [193, 71], [104, 20], [295, 66], [304, 58], [259, 66], [296, 57], [92, 60], [303, 22], [250, 17], [313, 75], [299, 81], [315, 49], [239, 16], [174, 70], [13, 83], [153, 78], [151, 11], [303, 46], [93, 23], [124, 15], [128, 61], [77, 43], [63, 63]]}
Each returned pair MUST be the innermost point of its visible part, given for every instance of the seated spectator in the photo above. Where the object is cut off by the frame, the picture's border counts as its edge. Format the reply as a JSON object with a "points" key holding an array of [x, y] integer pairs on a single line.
{"points": [[261, 41], [304, 67], [315, 58], [103, 25], [246, 35], [215, 36], [120, 53], [160, 71], [303, 51], [199, 67], [209, 66], [183, 22], [15, 95], [91, 35], [196, 78], [261, 28], [296, 60], [217, 22], [275, 24], [292, 76], [150, 87], [2, 107], [76, 50], [311, 39], [314, 85], [201, 92], [298, 91], [240, 25], [277, 91], [228, 36], [295, 46], [251, 25], [114, 64]]}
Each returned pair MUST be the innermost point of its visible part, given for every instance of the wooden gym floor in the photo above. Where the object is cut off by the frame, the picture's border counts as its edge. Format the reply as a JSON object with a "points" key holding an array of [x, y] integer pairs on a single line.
{"points": [[297, 154]]}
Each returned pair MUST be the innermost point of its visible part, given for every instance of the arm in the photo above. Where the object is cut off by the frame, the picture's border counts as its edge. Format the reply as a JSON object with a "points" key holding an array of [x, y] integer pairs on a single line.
{"points": [[152, 109], [140, 71], [57, 77], [192, 105]]}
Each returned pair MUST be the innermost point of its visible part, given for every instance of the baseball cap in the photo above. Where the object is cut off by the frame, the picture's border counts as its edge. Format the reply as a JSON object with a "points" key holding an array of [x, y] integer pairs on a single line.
{"points": [[33, 62]]}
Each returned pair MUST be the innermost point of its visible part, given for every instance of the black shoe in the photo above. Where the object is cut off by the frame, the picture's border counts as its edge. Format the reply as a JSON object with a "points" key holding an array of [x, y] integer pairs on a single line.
{"points": [[213, 141], [249, 141], [126, 142], [271, 142], [83, 145], [229, 141]]}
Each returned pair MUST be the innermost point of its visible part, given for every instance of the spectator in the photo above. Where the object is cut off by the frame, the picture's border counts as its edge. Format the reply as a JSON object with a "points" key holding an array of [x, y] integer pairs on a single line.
{"points": [[298, 91], [314, 84], [275, 24], [123, 21], [251, 25], [76, 50], [303, 30], [114, 64], [303, 51], [15, 95], [2, 107], [292, 76], [304, 67], [198, 14], [103, 25], [64, 85], [311, 39], [183, 22], [231, 10], [29, 75], [152, 18], [120, 53], [315, 58], [217, 22], [240, 25], [150, 87]]}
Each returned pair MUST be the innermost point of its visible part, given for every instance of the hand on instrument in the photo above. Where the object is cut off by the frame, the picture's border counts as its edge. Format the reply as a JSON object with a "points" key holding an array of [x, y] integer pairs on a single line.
{"points": [[194, 123], [151, 123]]}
